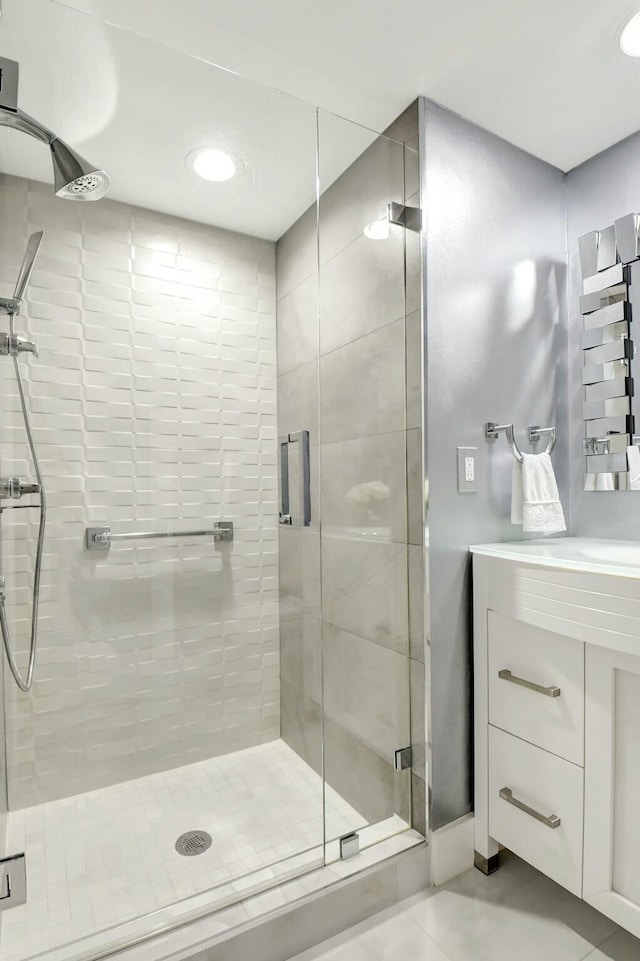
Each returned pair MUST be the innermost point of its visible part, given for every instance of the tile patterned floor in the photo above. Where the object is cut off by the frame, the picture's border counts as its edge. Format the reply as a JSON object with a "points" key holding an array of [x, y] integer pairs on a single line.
{"points": [[99, 859], [516, 914]]}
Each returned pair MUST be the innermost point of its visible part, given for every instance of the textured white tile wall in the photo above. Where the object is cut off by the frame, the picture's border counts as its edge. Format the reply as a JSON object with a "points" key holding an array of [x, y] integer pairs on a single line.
{"points": [[154, 407]]}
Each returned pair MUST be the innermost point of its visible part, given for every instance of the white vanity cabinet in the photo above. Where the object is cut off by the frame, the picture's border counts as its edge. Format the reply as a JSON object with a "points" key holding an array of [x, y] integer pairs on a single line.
{"points": [[557, 714], [611, 879]]}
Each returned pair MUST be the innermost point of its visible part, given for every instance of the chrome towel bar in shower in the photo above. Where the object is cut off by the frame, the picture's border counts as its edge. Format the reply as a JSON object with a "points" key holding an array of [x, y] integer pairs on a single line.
{"points": [[100, 538], [491, 432]]}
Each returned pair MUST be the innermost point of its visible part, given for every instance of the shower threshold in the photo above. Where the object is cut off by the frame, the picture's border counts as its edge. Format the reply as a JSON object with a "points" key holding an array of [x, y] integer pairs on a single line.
{"points": [[102, 867]]}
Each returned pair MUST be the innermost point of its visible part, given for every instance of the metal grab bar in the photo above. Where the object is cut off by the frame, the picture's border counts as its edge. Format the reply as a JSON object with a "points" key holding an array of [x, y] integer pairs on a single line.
{"points": [[492, 430], [100, 538]]}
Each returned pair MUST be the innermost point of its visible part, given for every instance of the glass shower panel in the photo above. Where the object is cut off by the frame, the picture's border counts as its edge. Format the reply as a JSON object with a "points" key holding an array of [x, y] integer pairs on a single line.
{"points": [[366, 459], [157, 770]]}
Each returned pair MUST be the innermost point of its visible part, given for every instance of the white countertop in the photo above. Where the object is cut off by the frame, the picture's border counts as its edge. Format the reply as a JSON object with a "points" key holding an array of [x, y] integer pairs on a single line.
{"points": [[599, 556]]}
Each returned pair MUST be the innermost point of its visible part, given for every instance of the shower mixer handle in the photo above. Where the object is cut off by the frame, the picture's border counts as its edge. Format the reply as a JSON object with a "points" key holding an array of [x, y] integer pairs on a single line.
{"points": [[14, 344], [22, 345], [13, 488]]}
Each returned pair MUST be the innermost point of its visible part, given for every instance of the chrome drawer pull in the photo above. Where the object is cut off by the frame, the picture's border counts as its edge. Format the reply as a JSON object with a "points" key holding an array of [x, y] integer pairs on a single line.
{"points": [[552, 821], [552, 691]]}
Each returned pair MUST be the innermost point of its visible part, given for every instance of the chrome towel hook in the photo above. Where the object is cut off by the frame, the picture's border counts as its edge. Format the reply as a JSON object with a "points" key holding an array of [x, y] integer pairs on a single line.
{"points": [[492, 431]]}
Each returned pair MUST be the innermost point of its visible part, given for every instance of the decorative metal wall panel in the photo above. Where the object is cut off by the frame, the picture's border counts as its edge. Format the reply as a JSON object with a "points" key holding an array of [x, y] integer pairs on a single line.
{"points": [[611, 314], [602, 297], [603, 280], [610, 278], [613, 407]]}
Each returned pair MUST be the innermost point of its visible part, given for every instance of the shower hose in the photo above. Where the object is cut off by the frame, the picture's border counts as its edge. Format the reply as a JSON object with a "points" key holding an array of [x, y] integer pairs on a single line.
{"points": [[25, 683]]}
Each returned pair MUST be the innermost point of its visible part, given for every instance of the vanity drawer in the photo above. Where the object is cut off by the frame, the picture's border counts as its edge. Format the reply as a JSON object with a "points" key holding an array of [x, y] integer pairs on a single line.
{"points": [[550, 788], [548, 709]]}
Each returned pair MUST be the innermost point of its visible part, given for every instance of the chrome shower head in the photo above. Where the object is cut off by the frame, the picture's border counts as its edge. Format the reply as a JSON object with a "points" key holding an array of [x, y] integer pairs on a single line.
{"points": [[75, 177]]}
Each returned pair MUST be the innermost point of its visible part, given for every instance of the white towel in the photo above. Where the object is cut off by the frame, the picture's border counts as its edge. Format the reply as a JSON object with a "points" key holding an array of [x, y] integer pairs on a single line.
{"points": [[535, 502], [633, 462]]}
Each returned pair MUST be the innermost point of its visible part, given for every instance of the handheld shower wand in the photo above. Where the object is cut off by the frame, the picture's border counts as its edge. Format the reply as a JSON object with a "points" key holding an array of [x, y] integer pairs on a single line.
{"points": [[75, 179], [14, 487]]}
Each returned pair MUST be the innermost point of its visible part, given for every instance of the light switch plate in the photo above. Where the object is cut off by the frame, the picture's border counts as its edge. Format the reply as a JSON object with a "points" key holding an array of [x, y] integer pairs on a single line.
{"points": [[467, 470]]}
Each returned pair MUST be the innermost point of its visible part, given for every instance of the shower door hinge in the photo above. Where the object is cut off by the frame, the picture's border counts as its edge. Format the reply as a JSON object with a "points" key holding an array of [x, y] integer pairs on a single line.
{"points": [[403, 759], [13, 882], [9, 70], [349, 845], [403, 216]]}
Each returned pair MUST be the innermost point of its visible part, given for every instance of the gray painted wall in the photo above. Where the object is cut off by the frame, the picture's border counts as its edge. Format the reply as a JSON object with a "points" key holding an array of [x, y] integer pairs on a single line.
{"points": [[598, 191], [497, 350]]}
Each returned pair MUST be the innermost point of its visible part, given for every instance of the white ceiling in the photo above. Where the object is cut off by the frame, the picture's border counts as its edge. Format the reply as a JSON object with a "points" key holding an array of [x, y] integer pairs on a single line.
{"points": [[138, 108], [547, 75]]}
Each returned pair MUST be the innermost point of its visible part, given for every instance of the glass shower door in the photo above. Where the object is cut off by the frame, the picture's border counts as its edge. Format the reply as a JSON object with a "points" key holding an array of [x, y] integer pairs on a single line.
{"points": [[370, 470]]}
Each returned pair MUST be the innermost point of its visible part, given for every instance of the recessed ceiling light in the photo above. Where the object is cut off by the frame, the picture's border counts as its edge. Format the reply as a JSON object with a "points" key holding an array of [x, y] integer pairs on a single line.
{"points": [[210, 163], [630, 37], [378, 229]]}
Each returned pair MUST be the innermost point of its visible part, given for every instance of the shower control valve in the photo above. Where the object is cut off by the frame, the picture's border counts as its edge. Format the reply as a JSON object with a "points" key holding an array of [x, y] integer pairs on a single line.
{"points": [[14, 344], [14, 487]]}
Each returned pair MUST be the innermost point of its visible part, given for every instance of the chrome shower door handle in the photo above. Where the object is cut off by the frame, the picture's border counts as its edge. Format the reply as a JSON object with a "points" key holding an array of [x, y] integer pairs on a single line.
{"points": [[13, 881], [295, 499]]}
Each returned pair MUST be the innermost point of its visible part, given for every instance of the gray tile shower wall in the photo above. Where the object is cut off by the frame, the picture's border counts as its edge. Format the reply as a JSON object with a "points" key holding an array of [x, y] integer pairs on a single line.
{"points": [[356, 370], [154, 407], [495, 276]]}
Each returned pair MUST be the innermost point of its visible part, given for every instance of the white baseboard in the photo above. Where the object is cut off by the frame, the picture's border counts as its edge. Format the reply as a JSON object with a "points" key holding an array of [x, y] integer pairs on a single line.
{"points": [[451, 850]]}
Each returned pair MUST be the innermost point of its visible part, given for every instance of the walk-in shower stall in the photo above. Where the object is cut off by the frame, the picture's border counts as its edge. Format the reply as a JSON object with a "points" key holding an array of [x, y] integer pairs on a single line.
{"points": [[221, 368]]}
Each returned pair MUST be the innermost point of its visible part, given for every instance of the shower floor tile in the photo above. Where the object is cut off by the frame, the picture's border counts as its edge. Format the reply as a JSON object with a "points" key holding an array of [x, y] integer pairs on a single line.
{"points": [[100, 859]]}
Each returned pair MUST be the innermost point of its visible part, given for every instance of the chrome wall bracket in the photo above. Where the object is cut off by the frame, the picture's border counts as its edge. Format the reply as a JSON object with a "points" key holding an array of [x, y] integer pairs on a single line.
{"points": [[403, 216], [13, 881], [100, 538], [349, 845], [492, 431], [403, 759], [9, 305]]}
